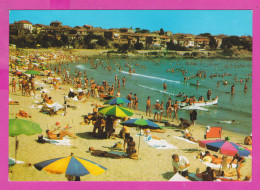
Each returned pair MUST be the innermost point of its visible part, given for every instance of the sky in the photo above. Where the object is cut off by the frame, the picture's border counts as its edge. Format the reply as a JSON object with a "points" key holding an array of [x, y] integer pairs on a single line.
{"points": [[229, 22]]}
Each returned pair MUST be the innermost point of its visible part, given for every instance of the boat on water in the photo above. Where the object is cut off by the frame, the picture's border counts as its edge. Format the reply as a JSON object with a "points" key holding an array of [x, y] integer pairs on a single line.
{"points": [[205, 103]]}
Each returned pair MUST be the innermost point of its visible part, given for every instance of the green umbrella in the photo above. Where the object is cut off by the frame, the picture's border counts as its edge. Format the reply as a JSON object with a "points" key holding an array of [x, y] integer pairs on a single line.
{"points": [[117, 101], [19, 127], [32, 72], [117, 111]]}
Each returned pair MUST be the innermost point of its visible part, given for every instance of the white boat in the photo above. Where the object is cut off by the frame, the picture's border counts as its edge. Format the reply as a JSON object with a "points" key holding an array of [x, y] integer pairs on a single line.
{"points": [[205, 103]]}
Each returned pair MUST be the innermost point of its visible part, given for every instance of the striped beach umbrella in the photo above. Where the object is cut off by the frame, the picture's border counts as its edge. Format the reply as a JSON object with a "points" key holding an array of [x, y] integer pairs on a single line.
{"points": [[225, 147], [141, 123], [71, 165], [117, 101], [32, 72], [116, 111]]}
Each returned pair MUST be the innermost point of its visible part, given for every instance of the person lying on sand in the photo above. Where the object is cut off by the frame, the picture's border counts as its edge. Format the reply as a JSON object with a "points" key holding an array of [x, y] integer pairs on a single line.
{"points": [[188, 136], [207, 157], [13, 103], [60, 135], [211, 174], [148, 135], [101, 153], [23, 114]]}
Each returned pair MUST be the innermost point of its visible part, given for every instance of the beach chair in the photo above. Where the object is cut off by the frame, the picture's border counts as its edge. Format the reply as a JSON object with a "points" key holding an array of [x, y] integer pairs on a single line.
{"points": [[214, 132]]}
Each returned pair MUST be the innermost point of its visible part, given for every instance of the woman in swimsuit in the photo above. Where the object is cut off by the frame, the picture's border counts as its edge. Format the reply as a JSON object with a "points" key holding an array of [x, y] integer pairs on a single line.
{"points": [[240, 163]]}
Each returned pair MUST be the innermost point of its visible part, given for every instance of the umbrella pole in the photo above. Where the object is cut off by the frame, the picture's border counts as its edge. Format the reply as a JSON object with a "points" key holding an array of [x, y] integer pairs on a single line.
{"points": [[74, 146], [139, 142], [16, 148]]}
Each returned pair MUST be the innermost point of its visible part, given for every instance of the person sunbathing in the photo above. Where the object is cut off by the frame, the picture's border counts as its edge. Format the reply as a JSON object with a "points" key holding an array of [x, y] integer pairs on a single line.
{"points": [[60, 135], [102, 153], [23, 114], [211, 174], [188, 136], [49, 101], [13, 103]]}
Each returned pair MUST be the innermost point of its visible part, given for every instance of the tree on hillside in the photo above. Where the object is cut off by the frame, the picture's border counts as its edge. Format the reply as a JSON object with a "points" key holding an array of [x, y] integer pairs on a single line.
{"points": [[161, 32], [177, 47], [212, 42], [144, 31], [138, 46], [205, 35]]}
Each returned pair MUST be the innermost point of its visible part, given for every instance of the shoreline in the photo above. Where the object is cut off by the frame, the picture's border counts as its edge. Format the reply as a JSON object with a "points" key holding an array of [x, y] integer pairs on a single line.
{"points": [[125, 169]]}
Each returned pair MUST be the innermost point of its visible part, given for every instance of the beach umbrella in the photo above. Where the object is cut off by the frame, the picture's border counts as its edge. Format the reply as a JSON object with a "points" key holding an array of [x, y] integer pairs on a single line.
{"points": [[19, 127], [142, 124], [32, 72], [117, 101], [116, 111], [71, 165], [225, 147]]}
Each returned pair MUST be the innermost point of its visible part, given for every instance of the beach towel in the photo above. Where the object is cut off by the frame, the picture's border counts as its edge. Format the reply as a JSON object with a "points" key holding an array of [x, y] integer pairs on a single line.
{"points": [[35, 107], [159, 144], [178, 177], [56, 106], [184, 139], [17, 161], [196, 178], [65, 141], [216, 165]]}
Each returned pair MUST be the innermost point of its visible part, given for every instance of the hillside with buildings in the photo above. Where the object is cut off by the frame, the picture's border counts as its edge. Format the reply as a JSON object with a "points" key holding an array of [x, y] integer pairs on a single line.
{"points": [[24, 34]]}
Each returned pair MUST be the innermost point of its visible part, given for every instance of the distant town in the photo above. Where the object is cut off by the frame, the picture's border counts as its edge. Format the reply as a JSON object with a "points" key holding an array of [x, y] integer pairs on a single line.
{"points": [[24, 34]]}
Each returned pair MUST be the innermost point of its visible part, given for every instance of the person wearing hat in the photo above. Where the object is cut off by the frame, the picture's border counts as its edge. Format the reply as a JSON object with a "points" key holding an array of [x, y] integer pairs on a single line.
{"points": [[157, 107]]}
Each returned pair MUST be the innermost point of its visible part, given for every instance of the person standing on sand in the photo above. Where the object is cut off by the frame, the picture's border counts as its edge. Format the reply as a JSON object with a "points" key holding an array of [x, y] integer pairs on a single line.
{"points": [[193, 117], [169, 108], [180, 164], [240, 163], [129, 98], [135, 102], [161, 110], [175, 109], [157, 107], [148, 106], [13, 83]]}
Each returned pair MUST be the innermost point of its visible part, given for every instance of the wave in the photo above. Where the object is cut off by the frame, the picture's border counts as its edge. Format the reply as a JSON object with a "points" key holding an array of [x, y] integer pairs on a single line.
{"points": [[154, 89], [151, 77], [82, 67]]}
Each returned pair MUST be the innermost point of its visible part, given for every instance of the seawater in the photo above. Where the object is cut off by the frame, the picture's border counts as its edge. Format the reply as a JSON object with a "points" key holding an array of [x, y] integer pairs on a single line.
{"points": [[149, 81]]}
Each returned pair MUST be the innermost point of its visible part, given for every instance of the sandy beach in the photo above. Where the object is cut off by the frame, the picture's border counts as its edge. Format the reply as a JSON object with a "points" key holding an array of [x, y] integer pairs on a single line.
{"points": [[153, 164]]}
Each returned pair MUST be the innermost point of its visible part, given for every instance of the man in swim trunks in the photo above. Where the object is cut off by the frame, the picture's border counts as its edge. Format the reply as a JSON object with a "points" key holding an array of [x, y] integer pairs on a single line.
{"points": [[175, 109], [135, 102], [157, 107], [129, 97], [58, 136], [169, 108], [148, 106]]}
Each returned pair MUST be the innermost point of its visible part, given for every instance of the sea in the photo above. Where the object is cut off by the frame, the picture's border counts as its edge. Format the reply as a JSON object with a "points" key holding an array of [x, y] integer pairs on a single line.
{"points": [[150, 74]]}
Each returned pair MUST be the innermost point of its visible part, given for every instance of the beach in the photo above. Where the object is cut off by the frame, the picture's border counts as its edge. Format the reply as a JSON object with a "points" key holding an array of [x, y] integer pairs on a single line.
{"points": [[153, 164]]}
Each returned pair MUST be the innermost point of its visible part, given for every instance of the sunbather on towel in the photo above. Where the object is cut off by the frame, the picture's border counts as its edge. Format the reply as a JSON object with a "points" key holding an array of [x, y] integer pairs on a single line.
{"points": [[60, 135], [211, 174], [23, 114], [207, 157], [102, 153], [188, 136], [13, 103]]}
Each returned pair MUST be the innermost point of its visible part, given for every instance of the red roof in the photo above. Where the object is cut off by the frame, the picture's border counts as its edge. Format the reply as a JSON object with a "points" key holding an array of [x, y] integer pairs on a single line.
{"points": [[23, 22]]}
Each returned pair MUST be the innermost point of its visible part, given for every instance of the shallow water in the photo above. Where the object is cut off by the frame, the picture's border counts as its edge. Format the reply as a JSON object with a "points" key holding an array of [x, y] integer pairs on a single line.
{"points": [[149, 81]]}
